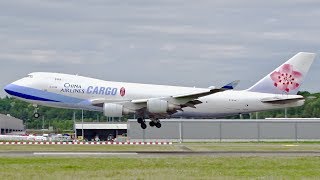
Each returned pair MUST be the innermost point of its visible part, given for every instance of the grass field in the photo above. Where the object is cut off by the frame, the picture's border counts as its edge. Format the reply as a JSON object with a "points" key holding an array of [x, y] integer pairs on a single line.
{"points": [[160, 168]]}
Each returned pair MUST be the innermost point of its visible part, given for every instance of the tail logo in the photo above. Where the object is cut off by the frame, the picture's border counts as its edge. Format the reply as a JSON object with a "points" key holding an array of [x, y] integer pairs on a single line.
{"points": [[286, 79]]}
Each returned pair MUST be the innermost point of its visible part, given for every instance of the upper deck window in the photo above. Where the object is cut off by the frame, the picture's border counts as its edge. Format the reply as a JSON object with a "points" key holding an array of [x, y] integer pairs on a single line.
{"points": [[30, 76]]}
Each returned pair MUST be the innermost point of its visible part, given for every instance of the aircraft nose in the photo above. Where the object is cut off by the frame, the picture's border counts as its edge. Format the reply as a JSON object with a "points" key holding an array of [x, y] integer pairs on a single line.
{"points": [[9, 89]]}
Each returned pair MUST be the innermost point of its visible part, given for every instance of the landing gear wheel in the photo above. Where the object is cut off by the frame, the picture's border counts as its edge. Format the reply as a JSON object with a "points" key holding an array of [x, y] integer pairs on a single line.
{"points": [[158, 125], [151, 123], [140, 120], [36, 115], [143, 126], [35, 112]]}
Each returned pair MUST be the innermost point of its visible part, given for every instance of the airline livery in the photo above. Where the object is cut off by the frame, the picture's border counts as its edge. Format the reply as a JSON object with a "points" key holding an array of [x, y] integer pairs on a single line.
{"points": [[276, 90]]}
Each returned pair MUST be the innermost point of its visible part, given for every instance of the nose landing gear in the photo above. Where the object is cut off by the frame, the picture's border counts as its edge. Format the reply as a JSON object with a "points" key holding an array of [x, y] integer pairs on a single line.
{"points": [[36, 115], [35, 112]]}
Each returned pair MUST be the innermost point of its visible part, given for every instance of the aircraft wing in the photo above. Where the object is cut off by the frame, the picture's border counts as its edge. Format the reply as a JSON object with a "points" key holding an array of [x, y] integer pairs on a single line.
{"points": [[180, 101], [190, 100], [100, 101], [195, 95]]}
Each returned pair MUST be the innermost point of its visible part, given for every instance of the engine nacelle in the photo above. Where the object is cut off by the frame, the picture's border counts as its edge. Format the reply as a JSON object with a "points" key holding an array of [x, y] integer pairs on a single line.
{"points": [[160, 106], [114, 110]]}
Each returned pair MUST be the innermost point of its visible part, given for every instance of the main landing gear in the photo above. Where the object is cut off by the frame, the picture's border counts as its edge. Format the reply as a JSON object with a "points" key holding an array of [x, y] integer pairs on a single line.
{"points": [[155, 122], [142, 123], [152, 123]]}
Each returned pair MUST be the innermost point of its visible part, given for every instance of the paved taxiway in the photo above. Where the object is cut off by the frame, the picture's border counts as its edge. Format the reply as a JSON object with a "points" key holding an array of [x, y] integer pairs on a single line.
{"points": [[158, 154]]}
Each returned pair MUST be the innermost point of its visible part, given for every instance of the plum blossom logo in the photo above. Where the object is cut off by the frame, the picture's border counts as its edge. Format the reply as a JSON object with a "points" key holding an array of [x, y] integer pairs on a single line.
{"points": [[122, 91], [286, 79]]}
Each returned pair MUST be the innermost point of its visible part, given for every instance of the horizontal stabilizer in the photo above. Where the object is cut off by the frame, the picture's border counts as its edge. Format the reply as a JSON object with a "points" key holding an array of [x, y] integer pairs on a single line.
{"points": [[280, 100]]}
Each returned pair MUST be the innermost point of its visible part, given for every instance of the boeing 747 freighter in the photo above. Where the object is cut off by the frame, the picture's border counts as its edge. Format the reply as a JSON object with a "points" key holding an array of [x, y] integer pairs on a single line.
{"points": [[276, 90]]}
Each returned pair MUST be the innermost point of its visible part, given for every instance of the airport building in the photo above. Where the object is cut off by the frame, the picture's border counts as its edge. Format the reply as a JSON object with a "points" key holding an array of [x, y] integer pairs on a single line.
{"points": [[10, 124], [101, 131]]}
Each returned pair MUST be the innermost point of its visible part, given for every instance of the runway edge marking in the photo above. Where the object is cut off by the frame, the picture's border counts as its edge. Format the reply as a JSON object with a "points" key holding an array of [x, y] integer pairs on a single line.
{"points": [[82, 143]]}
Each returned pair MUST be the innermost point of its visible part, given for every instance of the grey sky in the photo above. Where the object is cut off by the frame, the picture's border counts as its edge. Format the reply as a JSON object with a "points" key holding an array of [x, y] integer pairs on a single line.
{"points": [[175, 42]]}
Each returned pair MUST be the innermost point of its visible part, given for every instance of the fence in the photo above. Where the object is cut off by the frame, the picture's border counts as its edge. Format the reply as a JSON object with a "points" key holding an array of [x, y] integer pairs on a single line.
{"points": [[197, 130]]}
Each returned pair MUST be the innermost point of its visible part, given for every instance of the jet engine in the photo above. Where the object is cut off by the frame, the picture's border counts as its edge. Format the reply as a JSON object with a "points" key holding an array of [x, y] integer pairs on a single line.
{"points": [[114, 110], [160, 106]]}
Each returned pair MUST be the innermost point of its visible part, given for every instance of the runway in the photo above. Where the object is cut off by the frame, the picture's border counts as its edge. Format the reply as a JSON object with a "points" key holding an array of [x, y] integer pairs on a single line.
{"points": [[157, 153]]}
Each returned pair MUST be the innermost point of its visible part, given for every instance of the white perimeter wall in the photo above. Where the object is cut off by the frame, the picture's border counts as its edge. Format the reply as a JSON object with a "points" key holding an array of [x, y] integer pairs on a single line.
{"points": [[193, 130]]}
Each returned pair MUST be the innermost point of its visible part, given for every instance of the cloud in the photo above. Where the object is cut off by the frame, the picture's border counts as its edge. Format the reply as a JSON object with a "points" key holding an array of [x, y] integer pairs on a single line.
{"points": [[278, 35], [174, 30], [168, 47], [48, 57], [173, 42], [271, 20]]}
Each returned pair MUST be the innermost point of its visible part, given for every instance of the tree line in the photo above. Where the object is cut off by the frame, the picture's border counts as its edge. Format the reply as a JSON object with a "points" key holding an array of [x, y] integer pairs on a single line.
{"points": [[63, 118]]}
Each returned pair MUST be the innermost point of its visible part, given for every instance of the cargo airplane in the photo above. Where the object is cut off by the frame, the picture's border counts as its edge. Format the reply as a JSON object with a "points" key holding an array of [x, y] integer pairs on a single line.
{"points": [[276, 90]]}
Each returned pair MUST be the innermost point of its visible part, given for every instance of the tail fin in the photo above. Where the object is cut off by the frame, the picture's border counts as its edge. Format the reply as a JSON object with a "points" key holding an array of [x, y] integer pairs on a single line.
{"points": [[288, 77]]}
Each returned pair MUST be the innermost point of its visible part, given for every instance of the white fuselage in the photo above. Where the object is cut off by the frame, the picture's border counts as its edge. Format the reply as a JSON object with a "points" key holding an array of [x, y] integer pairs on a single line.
{"points": [[76, 92]]}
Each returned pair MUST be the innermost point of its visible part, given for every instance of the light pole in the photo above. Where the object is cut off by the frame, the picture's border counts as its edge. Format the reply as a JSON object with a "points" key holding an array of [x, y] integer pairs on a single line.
{"points": [[74, 125], [285, 113], [42, 122], [82, 131]]}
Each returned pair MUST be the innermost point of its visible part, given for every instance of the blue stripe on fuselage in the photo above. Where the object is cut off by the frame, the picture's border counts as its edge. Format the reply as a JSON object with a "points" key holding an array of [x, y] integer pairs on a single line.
{"points": [[26, 96], [39, 95]]}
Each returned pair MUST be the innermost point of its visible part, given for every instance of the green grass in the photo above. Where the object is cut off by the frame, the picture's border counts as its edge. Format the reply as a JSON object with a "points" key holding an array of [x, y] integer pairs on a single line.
{"points": [[163, 167], [160, 168]]}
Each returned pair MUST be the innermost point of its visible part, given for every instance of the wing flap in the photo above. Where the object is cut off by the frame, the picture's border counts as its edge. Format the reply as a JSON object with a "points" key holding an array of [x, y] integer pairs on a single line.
{"points": [[199, 94], [186, 98]]}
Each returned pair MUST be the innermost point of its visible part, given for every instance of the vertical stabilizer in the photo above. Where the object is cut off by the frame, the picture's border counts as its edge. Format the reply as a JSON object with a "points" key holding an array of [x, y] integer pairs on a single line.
{"points": [[288, 77]]}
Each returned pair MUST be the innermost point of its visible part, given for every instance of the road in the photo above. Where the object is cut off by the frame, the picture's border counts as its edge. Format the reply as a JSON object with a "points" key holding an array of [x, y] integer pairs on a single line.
{"points": [[156, 153]]}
